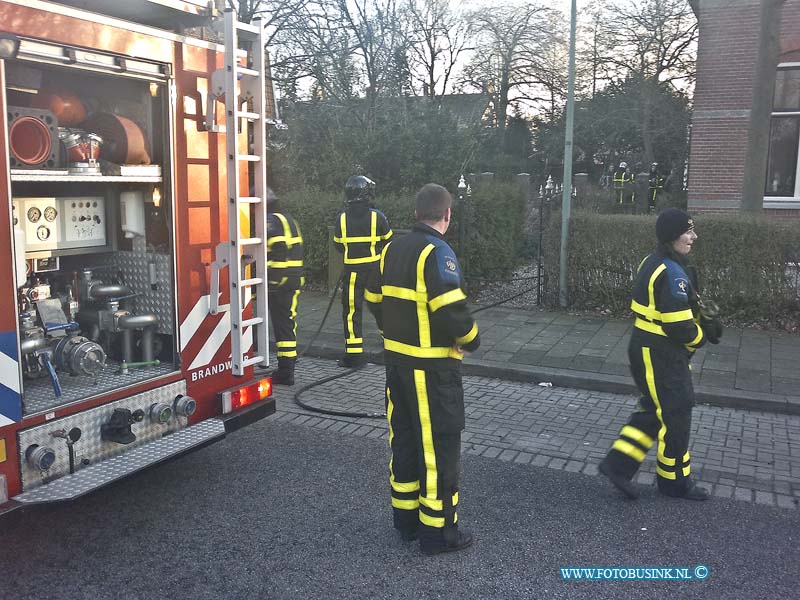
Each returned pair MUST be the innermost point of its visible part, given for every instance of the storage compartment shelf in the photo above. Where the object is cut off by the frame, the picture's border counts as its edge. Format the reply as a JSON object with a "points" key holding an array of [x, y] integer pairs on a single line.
{"points": [[53, 178]]}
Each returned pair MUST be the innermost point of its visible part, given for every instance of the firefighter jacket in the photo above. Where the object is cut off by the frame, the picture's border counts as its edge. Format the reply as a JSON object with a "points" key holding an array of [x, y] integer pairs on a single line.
{"points": [[662, 300], [360, 234], [622, 179], [418, 300], [284, 250]]}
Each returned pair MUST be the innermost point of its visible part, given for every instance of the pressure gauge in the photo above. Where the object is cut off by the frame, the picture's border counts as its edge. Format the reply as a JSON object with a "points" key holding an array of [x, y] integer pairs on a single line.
{"points": [[42, 233], [50, 213], [34, 214]]}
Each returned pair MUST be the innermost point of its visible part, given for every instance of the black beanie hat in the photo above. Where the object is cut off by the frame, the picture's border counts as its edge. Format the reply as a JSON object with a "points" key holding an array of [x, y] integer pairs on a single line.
{"points": [[671, 224]]}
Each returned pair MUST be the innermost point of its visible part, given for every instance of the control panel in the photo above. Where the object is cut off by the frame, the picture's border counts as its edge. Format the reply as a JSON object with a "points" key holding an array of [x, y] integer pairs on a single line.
{"points": [[62, 222]]}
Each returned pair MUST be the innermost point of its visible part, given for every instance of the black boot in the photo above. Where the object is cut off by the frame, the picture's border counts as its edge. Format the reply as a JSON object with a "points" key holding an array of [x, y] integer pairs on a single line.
{"points": [[449, 539], [622, 483], [691, 491], [352, 361], [284, 374]]}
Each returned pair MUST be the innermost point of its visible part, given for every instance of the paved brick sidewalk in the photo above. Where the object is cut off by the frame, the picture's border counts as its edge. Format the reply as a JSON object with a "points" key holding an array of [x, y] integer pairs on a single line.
{"points": [[747, 455], [749, 369]]}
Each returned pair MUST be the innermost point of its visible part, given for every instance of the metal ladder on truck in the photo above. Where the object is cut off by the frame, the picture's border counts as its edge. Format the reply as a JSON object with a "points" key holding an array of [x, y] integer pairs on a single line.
{"points": [[243, 88]]}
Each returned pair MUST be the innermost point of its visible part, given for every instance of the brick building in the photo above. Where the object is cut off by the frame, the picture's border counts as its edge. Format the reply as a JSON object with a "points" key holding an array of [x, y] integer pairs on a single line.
{"points": [[741, 134]]}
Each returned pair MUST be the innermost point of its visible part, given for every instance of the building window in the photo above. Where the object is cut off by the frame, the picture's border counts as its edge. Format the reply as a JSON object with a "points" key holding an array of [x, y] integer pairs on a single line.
{"points": [[784, 135]]}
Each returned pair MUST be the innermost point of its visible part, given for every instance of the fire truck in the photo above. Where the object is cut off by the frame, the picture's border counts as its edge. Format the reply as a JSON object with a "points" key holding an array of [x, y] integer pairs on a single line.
{"points": [[133, 296]]}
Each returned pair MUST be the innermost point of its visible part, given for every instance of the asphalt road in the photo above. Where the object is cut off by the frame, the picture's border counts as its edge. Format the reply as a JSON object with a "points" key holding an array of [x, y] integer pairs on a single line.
{"points": [[286, 511]]}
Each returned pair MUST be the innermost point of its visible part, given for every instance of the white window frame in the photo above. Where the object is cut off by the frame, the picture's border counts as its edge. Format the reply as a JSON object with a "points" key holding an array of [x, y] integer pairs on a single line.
{"points": [[786, 201]]}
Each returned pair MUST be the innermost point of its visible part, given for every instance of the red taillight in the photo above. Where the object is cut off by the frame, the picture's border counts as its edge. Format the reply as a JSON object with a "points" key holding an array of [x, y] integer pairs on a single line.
{"points": [[237, 398]]}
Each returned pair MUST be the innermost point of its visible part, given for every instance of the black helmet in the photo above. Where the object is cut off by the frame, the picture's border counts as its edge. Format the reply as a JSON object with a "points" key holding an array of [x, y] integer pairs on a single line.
{"points": [[359, 189]]}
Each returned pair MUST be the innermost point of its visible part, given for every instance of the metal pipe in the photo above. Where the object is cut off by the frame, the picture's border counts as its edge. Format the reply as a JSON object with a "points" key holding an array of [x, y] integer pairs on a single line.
{"points": [[127, 345], [137, 321], [101, 291], [32, 344], [147, 344]]}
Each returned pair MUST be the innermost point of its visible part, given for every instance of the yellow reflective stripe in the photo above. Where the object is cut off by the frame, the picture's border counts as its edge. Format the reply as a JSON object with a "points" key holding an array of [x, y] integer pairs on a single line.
{"points": [[629, 449], [417, 352], [383, 256], [293, 307], [343, 227], [362, 239], [361, 261], [401, 293], [404, 488], [289, 344], [437, 522], [389, 413], [645, 311], [353, 350], [285, 264], [637, 435], [677, 316], [686, 457], [354, 340], [287, 354], [699, 337], [687, 470], [450, 297], [405, 504], [426, 432], [287, 233], [651, 293], [650, 327], [466, 339], [651, 387], [373, 297], [373, 232], [422, 307], [351, 303], [665, 474], [436, 504], [386, 236]]}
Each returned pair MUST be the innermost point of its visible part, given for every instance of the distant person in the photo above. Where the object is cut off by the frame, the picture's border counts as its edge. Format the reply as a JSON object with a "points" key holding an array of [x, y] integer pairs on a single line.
{"points": [[420, 304], [623, 186], [671, 323], [285, 278], [360, 232], [656, 186]]}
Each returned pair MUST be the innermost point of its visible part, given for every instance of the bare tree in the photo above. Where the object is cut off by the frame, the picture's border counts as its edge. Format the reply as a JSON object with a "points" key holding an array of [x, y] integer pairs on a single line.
{"points": [[509, 42], [438, 37]]}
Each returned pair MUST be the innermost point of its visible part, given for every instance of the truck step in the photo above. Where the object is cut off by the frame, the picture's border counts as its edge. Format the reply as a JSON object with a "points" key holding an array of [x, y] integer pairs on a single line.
{"points": [[113, 469]]}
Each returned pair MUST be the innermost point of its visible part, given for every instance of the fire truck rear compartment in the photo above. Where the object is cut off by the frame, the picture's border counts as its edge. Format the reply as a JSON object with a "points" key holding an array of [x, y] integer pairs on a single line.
{"points": [[93, 221]]}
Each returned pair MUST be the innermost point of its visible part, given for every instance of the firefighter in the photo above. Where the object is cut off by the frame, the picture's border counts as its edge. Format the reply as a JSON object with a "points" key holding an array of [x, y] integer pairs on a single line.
{"points": [[419, 302], [623, 185], [671, 323], [285, 278], [360, 232], [656, 186]]}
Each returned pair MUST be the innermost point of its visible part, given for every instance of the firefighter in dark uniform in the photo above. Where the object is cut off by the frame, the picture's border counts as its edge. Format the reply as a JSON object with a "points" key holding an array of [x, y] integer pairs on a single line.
{"points": [[623, 186], [420, 305], [656, 186], [671, 323], [360, 234], [284, 280]]}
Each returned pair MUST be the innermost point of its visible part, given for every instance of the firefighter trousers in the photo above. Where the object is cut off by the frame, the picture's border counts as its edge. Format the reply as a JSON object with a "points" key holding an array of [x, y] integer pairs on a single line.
{"points": [[283, 314], [663, 416], [353, 285], [425, 409]]}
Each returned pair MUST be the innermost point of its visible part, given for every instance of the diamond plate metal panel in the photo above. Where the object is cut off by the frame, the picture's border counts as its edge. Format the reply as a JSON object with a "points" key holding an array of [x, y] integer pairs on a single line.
{"points": [[91, 446], [135, 267], [103, 473], [38, 394]]}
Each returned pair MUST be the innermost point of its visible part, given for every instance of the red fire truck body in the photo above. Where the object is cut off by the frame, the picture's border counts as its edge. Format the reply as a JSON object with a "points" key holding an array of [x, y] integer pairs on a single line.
{"points": [[114, 197]]}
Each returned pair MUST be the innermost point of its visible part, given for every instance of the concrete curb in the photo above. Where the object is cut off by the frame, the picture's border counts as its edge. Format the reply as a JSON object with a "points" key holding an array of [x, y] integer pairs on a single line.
{"points": [[598, 382]]}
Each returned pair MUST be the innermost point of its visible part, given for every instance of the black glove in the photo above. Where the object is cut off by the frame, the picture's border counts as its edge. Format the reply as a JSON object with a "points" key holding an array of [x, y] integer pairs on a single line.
{"points": [[712, 327]]}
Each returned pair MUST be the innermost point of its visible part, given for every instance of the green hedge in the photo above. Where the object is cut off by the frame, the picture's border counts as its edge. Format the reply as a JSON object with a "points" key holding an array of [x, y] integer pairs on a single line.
{"points": [[742, 263], [494, 227]]}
